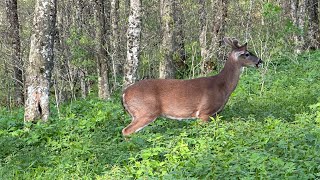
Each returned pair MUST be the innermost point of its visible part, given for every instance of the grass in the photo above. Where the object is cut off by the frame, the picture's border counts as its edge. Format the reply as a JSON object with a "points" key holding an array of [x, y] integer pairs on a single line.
{"points": [[269, 132]]}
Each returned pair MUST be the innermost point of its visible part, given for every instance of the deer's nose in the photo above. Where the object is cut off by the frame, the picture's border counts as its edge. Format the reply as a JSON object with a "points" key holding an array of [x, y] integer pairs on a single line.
{"points": [[259, 63]]}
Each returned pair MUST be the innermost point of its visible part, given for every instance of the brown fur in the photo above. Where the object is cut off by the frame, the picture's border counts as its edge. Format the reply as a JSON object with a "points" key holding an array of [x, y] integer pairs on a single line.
{"points": [[184, 99]]}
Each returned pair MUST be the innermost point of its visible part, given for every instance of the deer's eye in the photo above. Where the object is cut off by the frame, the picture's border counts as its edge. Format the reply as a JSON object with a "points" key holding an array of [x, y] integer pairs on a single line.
{"points": [[247, 54]]}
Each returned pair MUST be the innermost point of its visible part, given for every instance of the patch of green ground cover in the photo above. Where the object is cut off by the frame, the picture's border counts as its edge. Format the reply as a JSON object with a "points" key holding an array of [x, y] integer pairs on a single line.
{"points": [[269, 133]]}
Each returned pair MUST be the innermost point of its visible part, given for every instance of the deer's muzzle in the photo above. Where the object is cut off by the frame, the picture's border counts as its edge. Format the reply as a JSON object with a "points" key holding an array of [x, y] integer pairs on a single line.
{"points": [[259, 63]]}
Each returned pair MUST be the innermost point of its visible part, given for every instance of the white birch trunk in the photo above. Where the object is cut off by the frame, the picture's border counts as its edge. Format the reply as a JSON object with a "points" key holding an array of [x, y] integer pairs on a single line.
{"points": [[133, 43], [40, 64]]}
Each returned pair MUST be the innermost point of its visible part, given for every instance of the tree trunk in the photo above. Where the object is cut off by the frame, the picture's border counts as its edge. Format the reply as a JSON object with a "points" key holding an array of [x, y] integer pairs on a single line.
{"points": [[133, 43], [101, 53], [298, 19], [294, 18], [212, 56], [248, 20], [218, 33], [82, 74], [40, 64], [79, 23], [301, 23], [285, 5], [14, 39], [166, 67], [203, 35], [115, 40], [60, 66], [313, 25], [179, 56]]}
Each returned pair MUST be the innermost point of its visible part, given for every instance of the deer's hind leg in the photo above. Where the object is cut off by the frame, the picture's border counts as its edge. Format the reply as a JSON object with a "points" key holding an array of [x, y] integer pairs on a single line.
{"points": [[137, 124]]}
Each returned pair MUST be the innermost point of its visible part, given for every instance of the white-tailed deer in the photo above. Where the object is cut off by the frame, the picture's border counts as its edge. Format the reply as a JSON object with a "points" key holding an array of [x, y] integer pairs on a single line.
{"points": [[186, 99]]}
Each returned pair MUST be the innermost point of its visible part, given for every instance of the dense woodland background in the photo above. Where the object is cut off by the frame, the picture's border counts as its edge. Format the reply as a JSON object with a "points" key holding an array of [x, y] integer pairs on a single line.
{"points": [[66, 62], [95, 48]]}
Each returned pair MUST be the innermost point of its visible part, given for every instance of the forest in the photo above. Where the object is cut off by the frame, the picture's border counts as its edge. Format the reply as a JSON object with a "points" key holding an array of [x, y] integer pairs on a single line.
{"points": [[65, 63]]}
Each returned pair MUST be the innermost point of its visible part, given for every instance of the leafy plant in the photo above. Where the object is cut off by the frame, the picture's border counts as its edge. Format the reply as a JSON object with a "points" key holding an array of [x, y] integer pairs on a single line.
{"points": [[263, 133]]}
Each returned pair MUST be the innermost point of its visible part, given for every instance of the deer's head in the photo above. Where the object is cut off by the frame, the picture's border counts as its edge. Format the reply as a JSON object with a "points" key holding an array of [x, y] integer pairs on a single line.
{"points": [[241, 55]]}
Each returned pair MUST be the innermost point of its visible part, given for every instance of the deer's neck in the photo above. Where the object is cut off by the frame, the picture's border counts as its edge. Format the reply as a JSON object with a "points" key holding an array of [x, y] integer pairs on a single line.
{"points": [[229, 76]]}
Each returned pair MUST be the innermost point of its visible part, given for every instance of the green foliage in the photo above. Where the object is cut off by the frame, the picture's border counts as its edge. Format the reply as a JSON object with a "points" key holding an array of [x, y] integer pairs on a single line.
{"points": [[265, 132], [271, 10], [81, 45]]}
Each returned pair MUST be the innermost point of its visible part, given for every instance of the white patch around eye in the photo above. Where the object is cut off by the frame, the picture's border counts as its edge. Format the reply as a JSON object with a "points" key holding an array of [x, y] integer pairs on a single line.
{"points": [[237, 54]]}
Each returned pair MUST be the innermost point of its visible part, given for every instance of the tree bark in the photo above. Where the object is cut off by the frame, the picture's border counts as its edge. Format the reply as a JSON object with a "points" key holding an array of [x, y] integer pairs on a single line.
{"points": [[179, 56], [298, 19], [313, 24], [218, 32], [133, 43], [60, 67], [248, 20], [79, 23], [115, 40], [15, 44], [285, 5], [203, 35], [213, 55], [40, 63], [166, 67], [101, 53]]}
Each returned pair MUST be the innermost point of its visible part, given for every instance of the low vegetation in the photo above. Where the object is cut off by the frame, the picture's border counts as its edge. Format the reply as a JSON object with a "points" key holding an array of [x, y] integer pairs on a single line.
{"points": [[270, 129]]}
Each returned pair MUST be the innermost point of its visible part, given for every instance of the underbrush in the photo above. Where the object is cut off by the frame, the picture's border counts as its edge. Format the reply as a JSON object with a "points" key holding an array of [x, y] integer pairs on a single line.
{"points": [[270, 129]]}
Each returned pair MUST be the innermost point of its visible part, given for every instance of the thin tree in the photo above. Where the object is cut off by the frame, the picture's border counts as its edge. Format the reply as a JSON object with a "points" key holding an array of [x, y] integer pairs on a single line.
{"points": [[101, 53], [40, 63], [115, 40], [61, 66], [313, 24], [213, 54], [298, 18], [179, 56], [15, 44], [203, 35], [218, 32], [166, 67], [79, 24], [133, 43]]}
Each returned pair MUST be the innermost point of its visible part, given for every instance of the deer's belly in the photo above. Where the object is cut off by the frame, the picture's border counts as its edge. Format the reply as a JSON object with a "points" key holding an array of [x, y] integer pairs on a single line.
{"points": [[181, 114]]}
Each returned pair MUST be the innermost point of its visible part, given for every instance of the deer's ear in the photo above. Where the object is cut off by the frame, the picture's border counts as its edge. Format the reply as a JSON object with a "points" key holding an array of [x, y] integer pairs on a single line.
{"points": [[241, 50], [230, 42], [243, 47], [226, 40]]}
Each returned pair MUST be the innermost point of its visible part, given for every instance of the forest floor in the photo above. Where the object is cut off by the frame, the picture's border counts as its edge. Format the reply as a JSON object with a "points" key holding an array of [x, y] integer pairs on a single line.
{"points": [[269, 129]]}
